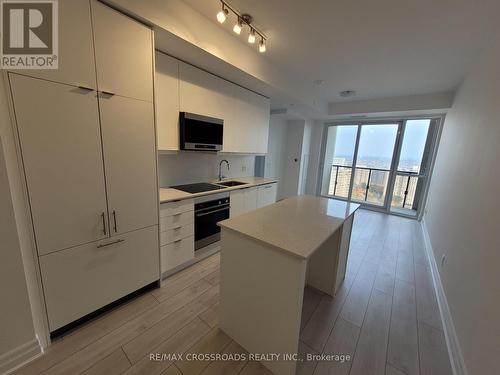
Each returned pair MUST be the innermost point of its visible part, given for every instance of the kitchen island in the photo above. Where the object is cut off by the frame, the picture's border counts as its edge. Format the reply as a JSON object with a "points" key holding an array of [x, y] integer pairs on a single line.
{"points": [[267, 257]]}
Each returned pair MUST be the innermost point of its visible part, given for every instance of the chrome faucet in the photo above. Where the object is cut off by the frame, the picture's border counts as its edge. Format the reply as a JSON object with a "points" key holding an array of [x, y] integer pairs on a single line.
{"points": [[220, 168]]}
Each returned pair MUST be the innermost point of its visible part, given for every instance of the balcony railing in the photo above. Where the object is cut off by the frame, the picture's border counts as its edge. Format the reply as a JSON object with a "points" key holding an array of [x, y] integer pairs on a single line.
{"points": [[370, 185]]}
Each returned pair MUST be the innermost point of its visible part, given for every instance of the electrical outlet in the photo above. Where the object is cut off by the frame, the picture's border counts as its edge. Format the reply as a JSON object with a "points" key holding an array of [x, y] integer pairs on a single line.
{"points": [[443, 259]]}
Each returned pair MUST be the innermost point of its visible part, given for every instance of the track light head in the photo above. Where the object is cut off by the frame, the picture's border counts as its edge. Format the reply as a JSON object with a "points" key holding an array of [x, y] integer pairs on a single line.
{"points": [[222, 15], [251, 36], [237, 26], [262, 46]]}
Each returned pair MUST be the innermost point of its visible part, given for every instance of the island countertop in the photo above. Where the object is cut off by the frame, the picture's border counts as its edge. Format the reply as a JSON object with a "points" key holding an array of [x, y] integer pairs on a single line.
{"points": [[297, 225]]}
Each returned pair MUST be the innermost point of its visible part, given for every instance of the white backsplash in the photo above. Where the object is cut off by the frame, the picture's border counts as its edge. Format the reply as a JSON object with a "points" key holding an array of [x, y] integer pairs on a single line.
{"points": [[190, 167]]}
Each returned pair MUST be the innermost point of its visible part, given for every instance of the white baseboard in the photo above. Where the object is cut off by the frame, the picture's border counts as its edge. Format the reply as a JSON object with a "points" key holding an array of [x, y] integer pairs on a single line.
{"points": [[454, 351], [19, 356]]}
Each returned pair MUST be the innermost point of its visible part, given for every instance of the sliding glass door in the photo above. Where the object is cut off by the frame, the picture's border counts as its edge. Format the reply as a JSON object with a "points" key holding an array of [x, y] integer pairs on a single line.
{"points": [[383, 165], [373, 163]]}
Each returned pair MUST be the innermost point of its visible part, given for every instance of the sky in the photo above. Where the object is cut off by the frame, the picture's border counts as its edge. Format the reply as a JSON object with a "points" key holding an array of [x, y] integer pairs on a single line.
{"points": [[377, 141]]}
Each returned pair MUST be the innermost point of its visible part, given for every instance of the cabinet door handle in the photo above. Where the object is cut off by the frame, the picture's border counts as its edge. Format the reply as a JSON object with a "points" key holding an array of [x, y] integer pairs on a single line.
{"points": [[110, 243], [114, 220], [179, 240], [103, 223], [110, 93]]}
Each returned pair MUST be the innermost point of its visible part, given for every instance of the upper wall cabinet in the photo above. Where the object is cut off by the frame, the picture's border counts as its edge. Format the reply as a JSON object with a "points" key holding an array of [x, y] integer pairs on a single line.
{"points": [[246, 120], [167, 101], [200, 92], [245, 113], [124, 54], [76, 52]]}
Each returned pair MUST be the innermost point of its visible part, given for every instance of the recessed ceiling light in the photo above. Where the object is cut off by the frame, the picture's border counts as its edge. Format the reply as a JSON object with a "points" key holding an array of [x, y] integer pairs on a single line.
{"points": [[347, 93]]}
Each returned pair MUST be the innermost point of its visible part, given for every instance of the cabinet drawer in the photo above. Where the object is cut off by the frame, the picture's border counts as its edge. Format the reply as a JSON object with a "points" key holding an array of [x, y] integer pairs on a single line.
{"points": [[267, 194], [177, 220], [82, 279], [177, 233], [176, 253], [174, 208]]}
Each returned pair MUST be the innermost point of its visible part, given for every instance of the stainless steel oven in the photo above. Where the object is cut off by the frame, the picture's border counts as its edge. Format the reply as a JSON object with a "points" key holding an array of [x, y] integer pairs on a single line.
{"points": [[208, 211]]}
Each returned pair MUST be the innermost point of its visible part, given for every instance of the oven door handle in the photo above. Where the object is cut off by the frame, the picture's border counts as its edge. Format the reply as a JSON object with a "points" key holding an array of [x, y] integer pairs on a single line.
{"points": [[211, 208], [211, 212]]}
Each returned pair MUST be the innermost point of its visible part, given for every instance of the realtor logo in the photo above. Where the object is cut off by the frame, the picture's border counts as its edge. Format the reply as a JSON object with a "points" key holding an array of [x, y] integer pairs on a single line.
{"points": [[29, 34]]}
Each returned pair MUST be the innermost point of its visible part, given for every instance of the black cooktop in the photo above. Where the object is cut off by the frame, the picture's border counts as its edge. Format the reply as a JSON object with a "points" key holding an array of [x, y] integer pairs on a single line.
{"points": [[197, 188]]}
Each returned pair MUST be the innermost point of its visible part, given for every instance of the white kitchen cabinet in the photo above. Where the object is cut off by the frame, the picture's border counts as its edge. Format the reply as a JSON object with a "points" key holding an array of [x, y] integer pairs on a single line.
{"points": [[176, 233], [176, 207], [250, 199], [237, 202], [129, 158], [76, 51], [167, 101], [123, 53], [174, 221], [176, 253], [89, 161], [245, 113], [266, 194], [79, 280], [200, 92], [246, 121], [58, 127], [242, 201]]}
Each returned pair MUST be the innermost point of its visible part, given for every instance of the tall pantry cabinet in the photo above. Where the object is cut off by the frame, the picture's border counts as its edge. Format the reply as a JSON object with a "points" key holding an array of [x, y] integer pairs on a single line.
{"points": [[89, 156]]}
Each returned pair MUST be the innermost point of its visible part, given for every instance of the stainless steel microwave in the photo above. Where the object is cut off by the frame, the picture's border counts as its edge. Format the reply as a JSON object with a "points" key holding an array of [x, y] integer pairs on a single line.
{"points": [[200, 133]]}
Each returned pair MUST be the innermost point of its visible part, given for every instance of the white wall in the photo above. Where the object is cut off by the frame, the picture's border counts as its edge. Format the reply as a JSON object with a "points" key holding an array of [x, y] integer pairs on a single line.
{"points": [[190, 167], [290, 139], [378, 107], [275, 158], [305, 155], [314, 157], [293, 159], [17, 333], [463, 213]]}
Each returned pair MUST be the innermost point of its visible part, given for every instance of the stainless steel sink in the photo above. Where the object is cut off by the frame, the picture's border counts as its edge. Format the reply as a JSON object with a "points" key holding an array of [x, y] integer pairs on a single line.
{"points": [[231, 183]]}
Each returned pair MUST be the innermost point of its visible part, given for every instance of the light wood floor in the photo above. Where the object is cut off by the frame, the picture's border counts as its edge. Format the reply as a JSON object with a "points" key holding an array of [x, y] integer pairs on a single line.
{"points": [[385, 316]]}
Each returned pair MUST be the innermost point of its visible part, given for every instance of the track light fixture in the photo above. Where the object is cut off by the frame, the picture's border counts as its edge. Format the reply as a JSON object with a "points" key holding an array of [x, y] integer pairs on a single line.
{"points": [[242, 20]]}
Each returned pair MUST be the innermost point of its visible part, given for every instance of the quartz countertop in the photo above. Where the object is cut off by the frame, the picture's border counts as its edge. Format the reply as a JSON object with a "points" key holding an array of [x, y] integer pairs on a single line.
{"points": [[297, 225], [170, 194]]}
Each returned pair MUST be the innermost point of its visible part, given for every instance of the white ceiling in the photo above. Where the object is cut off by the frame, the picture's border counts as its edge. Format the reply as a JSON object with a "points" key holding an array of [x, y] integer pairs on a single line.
{"points": [[381, 48]]}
